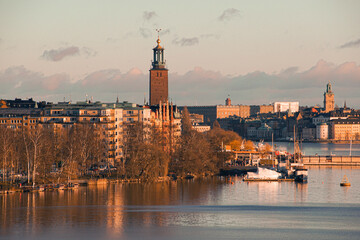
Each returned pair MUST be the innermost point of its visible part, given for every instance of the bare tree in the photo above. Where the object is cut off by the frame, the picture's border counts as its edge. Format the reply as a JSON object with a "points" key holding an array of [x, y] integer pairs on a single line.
{"points": [[6, 140]]}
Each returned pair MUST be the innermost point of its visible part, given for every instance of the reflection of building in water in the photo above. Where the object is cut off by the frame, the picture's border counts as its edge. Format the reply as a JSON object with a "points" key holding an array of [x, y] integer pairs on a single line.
{"points": [[115, 210], [268, 191]]}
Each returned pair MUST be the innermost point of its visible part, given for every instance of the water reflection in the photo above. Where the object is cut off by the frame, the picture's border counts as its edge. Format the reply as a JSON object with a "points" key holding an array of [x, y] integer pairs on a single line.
{"points": [[116, 208]]}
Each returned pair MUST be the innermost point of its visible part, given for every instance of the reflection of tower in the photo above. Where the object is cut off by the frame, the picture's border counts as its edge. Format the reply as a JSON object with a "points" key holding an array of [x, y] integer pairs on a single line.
{"points": [[329, 102], [158, 77]]}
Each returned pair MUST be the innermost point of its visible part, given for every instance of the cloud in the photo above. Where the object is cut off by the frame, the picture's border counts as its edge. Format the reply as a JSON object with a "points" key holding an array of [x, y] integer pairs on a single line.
{"points": [[196, 87], [21, 82], [145, 32], [210, 35], [185, 42], [61, 53], [229, 14], [164, 32], [204, 87], [147, 16], [88, 52], [351, 44], [56, 55]]}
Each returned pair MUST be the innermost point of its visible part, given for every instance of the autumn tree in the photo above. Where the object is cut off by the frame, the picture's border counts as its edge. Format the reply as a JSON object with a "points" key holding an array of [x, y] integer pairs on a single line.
{"points": [[193, 152], [6, 146]]}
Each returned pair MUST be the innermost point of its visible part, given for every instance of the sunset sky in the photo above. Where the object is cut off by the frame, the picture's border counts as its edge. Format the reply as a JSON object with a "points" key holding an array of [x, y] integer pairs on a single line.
{"points": [[255, 51]]}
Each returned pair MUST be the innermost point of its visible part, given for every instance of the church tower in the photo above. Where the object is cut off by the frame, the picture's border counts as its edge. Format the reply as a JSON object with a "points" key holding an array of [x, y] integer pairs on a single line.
{"points": [[158, 76], [329, 102]]}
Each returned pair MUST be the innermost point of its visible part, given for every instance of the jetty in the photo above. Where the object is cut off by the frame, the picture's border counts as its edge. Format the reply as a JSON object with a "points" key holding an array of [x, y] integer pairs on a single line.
{"points": [[331, 160]]}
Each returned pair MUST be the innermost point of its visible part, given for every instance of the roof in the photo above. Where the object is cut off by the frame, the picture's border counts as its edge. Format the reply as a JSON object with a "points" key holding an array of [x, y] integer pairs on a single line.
{"points": [[11, 112], [346, 121]]}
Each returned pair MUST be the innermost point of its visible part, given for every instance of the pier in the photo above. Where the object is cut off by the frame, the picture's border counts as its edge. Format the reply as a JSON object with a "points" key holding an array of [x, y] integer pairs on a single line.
{"points": [[332, 160]]}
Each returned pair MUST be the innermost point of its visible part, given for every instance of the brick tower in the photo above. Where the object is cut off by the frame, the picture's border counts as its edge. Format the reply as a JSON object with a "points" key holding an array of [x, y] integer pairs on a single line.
{"points": [[329, 102], [158, 77]]}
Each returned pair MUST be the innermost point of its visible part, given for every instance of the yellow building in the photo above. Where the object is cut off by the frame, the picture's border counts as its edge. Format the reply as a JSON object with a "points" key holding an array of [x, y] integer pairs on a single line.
{"points": [[345, 129]]}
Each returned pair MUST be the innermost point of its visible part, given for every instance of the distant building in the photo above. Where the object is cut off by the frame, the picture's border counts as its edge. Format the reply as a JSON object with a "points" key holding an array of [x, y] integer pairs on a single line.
{"points": [[309, 133], [18, 118], [211, 113], [261, 109], [329, 102], [201, 128], [291, 107], [345, 129], [322, 131]]}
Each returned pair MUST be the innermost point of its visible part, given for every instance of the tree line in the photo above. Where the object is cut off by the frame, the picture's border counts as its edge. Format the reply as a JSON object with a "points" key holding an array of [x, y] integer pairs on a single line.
{"points": [[42, 155]]}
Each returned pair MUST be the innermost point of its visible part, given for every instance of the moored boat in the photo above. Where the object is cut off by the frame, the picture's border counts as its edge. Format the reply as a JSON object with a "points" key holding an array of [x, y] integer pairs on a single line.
{"points": [[301, 174]]}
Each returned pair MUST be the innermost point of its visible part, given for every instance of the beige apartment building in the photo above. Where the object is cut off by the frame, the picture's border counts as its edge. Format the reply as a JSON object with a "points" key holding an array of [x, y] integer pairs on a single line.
{"points": [[345, 129], [17, 118], [109, 118]]}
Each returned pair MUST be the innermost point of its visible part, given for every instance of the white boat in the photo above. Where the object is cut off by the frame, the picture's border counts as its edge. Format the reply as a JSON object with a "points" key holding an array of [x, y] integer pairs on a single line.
{"points": [[263, 174]]}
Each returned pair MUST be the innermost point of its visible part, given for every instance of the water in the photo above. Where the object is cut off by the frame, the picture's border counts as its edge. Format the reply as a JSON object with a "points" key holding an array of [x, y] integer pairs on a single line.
{"points": [[325, 149], [213, 208]]}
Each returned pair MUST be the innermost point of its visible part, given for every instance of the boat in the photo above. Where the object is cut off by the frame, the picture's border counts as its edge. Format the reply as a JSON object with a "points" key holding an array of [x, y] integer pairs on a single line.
{"points": [[345, 182], [263, 174], [300, 173]]}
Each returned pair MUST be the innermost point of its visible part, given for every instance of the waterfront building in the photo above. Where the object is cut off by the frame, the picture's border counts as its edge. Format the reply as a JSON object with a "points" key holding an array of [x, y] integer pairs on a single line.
{"points": [[158, 90], [309, 133], [108, 118], [345, 129], [329, 102], [322, 131], [291, 107]]}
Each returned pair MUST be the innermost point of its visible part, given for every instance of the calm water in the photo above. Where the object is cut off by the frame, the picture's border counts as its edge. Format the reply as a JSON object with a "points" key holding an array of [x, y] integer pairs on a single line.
{"points": [[321, 148], [200, 209]]}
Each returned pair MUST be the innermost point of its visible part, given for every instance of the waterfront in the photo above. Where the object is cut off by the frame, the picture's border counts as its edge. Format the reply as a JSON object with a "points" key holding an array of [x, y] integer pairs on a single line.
{"points": [[213, 208], [323, 149]]}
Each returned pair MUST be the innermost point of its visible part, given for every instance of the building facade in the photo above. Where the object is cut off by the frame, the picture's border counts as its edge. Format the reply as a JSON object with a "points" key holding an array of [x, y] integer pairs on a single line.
{"points": [[286, 107], [322, 131], [348, 129]]}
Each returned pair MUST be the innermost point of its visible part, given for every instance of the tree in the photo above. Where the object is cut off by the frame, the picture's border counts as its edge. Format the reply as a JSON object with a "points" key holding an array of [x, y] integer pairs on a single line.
{"points": [[6, 146], [145, 152]]}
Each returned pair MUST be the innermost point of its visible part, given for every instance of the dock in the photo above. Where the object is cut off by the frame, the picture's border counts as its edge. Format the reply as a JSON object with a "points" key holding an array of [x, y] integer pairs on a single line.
{"points": [[269, 180], [331, 160]]}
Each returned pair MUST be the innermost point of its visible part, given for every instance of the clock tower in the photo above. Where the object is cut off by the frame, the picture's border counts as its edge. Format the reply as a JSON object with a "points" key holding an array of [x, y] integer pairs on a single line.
{"points": [[329, 102], [158, 76]]}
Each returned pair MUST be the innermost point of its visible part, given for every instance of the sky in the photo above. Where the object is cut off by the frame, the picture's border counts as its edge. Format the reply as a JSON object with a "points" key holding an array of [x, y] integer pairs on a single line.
{"points": [[256, 52]]}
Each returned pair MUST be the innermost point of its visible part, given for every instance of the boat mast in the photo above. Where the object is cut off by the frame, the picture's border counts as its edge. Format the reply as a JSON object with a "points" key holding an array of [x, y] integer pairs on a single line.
{"points": [[294, 144]]}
